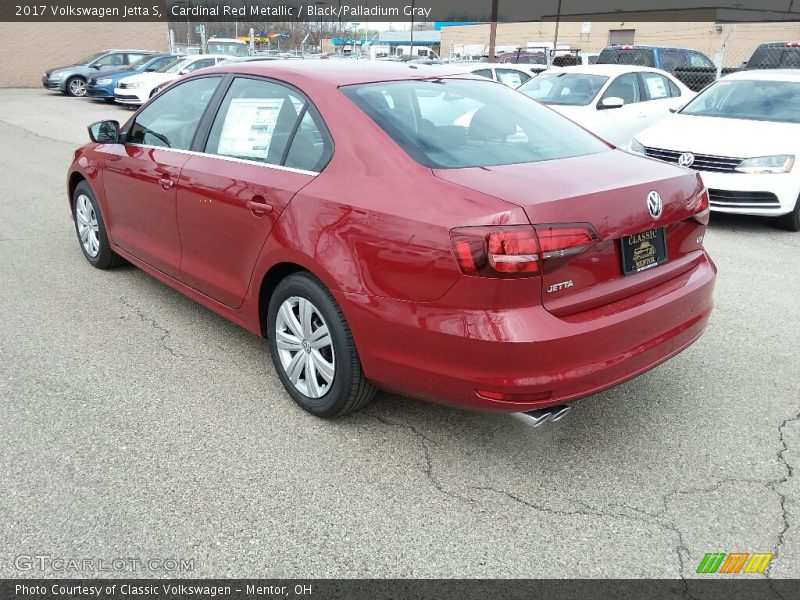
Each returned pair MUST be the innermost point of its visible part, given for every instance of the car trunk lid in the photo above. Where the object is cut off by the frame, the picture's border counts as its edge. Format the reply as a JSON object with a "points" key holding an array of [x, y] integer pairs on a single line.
{"points": [[610, 192]]}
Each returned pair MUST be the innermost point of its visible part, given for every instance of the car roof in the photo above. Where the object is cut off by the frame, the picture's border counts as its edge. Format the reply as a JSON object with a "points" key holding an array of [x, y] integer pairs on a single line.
{"points": [[765, 75], [606, 70], [340, 73]]}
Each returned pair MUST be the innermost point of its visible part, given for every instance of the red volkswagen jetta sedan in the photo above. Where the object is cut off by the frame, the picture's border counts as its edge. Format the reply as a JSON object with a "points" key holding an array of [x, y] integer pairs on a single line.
{"points": [[387, 226]]}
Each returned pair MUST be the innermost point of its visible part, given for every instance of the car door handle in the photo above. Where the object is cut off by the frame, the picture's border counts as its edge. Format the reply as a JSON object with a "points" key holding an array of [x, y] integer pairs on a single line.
{"points": [[167, 183], [258, 206]]}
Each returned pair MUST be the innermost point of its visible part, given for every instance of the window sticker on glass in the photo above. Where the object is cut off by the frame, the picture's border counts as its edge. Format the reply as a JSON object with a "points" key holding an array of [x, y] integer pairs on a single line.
{"points": [[249, 126], [656, 88]]}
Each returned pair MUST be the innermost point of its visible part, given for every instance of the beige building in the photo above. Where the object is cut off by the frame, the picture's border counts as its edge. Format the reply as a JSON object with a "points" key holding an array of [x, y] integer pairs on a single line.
{"points": [[736, 41], [28, 49]]}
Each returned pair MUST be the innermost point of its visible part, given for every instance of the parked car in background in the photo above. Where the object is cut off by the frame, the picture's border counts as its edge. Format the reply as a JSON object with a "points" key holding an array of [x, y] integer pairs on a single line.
{"points": [[535, 61], [694, 69], [742, 135], [512, 75], [574, 59], [775, 55], [138, 89], [71, 80], [528, 264], [227, 46], [101, 87], [613, 101]]}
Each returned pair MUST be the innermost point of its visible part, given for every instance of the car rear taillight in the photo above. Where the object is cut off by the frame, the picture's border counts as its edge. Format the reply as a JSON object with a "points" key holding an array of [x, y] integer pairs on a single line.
{"points": [[792, 44], [496, 251], [518, 250], [700, 208]]}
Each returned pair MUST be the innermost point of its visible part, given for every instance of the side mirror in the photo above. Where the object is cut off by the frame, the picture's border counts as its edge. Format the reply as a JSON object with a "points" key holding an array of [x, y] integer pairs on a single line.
{"points": [[149, 70], [611, 102], [184, 71], [96, 66], [676, 108], [104, 132]]}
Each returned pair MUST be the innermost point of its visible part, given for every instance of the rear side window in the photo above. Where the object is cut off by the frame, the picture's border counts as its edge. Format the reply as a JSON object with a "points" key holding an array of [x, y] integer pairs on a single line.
{"points": [[640, 57], [511, 77], [698, 60], [267, 122], [171, 120], [657, 87], [672, 59], [134, 57], [457, 123]]}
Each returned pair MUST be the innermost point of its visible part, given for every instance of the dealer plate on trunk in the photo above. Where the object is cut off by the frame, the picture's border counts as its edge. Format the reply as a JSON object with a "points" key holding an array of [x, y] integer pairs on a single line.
{"points": [[642, 251]]}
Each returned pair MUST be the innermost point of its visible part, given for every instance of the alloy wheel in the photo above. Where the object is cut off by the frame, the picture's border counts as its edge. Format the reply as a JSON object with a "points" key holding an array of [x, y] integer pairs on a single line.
{"points": [[88, 228], [77, 87], [305, 347]]}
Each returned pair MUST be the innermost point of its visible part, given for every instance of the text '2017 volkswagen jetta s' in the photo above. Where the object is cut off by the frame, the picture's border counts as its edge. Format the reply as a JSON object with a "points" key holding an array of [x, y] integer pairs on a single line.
{"points": [[387, 226]]}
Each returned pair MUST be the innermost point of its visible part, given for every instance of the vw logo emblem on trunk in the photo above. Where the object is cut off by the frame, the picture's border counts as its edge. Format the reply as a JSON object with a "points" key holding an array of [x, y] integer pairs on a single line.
{"points": [[654, 204], [686, 159]]}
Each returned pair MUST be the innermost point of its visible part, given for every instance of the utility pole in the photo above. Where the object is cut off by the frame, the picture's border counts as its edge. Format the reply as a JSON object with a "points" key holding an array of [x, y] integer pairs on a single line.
{"points": [[558, 20], [411, 48], [493, 30]]}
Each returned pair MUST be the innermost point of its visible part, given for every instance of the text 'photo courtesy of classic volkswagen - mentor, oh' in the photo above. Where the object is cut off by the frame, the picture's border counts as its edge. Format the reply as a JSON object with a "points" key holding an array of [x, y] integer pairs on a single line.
{"points": [[392, 226]]}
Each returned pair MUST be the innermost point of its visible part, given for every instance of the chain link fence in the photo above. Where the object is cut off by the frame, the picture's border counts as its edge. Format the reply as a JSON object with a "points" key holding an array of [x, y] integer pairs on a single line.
{"points": [[695, 67]]}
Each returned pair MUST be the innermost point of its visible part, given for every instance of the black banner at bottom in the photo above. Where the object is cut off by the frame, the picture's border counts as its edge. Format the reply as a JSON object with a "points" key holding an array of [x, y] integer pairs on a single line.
{"points": [[398, 589]]}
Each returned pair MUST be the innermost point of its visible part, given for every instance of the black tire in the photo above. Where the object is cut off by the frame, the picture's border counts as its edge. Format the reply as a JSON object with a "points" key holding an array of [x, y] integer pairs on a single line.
{"points": [[350, 389], [72, 82], [105, 258], [791, 222]]}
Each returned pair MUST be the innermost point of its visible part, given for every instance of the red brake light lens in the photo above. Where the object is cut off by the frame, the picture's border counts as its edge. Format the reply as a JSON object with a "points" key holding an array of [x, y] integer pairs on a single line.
{"points": [[496, 251], [517, 250], [557, 241]]}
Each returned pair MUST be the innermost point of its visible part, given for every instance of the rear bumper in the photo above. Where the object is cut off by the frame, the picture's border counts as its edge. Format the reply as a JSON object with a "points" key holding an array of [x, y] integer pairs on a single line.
{"points": [[740, 193], [526, 358]]}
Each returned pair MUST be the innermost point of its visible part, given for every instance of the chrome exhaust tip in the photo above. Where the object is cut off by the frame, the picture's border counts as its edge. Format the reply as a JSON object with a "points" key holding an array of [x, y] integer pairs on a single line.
{"points": [[540, 416]]}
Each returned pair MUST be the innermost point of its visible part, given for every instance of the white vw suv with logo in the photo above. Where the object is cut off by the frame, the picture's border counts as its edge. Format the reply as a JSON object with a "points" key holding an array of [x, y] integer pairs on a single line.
{"points": [[743, 135]]}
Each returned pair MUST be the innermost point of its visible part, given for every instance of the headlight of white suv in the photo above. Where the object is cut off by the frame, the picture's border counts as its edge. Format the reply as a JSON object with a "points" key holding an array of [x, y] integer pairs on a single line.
{"points": [[135, 86], [105, 81], [781, 163], [635, 147]]}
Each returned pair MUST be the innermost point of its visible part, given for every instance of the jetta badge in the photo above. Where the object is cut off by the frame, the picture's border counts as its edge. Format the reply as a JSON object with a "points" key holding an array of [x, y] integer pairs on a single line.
{"points": [[654, 204], [686, 159]]}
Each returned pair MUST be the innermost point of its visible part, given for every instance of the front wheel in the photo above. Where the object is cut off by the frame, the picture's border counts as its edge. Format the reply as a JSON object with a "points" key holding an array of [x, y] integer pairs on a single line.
{"points": [[792, 220], [91, 229], [76, 86], [313, 349]]}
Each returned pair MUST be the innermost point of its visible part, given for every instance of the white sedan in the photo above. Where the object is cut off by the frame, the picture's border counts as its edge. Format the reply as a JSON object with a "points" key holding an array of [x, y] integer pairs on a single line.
{"points": [[138, 89], [742, 134], [512, 75], [614, 102]]}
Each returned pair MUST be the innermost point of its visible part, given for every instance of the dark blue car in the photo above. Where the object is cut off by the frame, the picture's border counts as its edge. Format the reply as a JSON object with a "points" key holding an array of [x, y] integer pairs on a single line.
{"points": [[102, 86]]}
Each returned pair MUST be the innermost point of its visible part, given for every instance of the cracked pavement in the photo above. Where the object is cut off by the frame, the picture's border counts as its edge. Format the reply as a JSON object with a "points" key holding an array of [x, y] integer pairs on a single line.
{"points": [[137, 423]]}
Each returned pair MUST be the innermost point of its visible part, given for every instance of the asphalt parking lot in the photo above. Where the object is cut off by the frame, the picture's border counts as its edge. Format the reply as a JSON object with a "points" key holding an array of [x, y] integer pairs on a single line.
{"points": [[136, 423]]}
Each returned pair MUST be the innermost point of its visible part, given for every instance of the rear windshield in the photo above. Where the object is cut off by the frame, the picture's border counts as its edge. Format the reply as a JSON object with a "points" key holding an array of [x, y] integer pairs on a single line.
{"points": [[456, 123], [781, 57], [575, 89], [618, 56], [752, 100]]}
